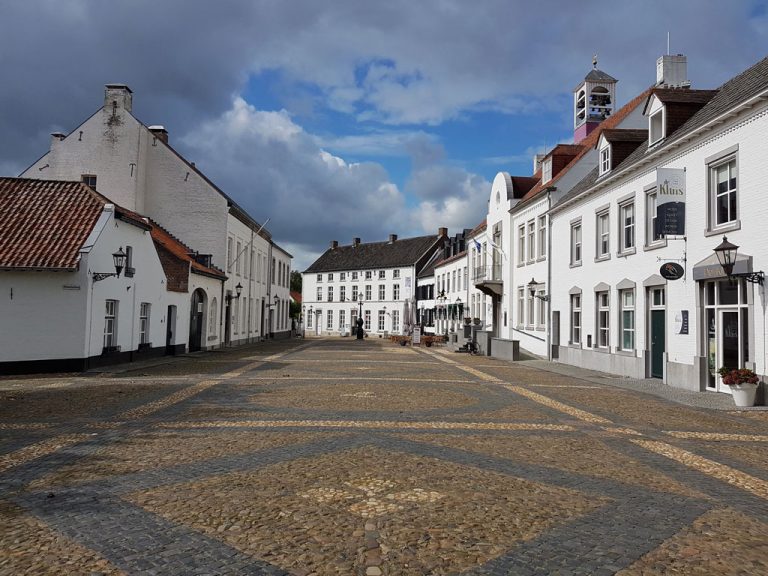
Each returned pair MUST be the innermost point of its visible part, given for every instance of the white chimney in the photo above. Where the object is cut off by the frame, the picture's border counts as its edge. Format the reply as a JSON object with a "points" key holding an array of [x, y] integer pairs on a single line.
{"points": [[672, 71], [537, 158], [119, 96]]}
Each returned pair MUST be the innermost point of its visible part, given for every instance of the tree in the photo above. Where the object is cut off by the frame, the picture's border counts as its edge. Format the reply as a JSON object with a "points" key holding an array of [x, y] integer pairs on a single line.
{"points": [[296, 281]]}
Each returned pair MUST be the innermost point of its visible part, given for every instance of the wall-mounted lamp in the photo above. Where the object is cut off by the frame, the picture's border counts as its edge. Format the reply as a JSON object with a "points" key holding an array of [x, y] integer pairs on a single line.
{"points": [[726, 255], [238, 291], [118, 258], [532, 285]]}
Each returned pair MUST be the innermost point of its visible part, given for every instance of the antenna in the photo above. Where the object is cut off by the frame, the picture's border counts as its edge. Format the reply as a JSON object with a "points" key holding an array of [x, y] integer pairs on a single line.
{"points": [[667, 42]]}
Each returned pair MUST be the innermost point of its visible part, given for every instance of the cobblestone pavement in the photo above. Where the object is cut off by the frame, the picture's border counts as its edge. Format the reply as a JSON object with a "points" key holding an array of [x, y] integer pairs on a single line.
{"points": [[334, 456]]}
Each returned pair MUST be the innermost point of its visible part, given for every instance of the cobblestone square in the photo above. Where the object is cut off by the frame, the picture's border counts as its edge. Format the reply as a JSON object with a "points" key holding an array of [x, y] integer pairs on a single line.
{"points": [[337, 456]]}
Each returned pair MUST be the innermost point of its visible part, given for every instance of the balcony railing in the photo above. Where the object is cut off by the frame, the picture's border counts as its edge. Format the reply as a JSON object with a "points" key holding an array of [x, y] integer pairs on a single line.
{"points": [[490, 273]]}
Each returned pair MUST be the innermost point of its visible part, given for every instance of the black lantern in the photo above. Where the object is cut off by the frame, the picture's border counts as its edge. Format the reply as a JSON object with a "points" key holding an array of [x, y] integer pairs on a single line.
{"points": [[726, 256], [532, 285], [118, 259]]}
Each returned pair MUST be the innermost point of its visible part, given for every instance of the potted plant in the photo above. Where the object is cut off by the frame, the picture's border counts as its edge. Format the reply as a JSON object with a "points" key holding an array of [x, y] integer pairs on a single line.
{"points": [[467, 320], [743, 383], [476, 321]]}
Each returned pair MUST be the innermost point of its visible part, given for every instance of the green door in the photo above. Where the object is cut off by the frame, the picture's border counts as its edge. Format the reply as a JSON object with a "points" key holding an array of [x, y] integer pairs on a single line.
{"points": [[657, 343]]}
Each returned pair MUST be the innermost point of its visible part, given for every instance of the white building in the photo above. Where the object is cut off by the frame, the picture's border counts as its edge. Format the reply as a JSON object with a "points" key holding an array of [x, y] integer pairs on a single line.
{"points": [[137, 168], [612, 310], [377, 278], [64, 306]]}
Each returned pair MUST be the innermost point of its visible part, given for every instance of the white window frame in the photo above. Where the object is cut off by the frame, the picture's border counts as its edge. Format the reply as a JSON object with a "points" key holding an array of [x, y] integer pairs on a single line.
{"points": [[395, 320], [382, 274], [627, 319], [541, 314], [382, 292], [342, 276], [342, 293], [603, 320], [395, 291], [715, 194], [212, 317], [521, 306], [605, 159], [542, 237], [319, 294], [651, 197], [395, 274], [111, 308], [366, 319], [521, 245], [603, 235], [330, 277], [382, 320], [230, 240], [319, 278], [530, 309], [354, 275], [355, 293], [576, 318], [368, 292], [342, 319], [576, 244], [368, 275], [329, 320], [627, 243], [656, 127], [144, 315], [330, 293], [532, 241]]}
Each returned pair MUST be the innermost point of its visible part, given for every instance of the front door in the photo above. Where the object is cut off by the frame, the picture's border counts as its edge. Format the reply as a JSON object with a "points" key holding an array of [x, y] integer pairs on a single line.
{"points": [[728, 346], [196, 321], [170, 329], [658, 343]]}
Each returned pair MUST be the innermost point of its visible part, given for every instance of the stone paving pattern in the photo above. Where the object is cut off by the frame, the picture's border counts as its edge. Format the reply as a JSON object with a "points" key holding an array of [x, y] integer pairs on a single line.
{"points": [[333, 456]]}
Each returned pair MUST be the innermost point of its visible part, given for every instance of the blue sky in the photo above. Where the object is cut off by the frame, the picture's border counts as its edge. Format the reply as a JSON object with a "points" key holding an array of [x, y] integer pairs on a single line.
{"points": [[351, 119]]}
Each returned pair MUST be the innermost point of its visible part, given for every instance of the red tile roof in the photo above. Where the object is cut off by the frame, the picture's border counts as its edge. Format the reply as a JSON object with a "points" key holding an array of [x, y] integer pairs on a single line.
{"points": [[44, 223], [296, 296], [180, 251], [589, 142]]}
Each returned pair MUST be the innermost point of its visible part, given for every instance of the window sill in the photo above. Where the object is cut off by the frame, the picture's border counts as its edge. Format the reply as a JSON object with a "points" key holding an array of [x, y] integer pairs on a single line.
{"points": [[628, 353], [601, 350], [540, 328], [625, 253], [541, 259], [574, 264], [731, 226], [655, 246], [603, 258], [574, 345]]}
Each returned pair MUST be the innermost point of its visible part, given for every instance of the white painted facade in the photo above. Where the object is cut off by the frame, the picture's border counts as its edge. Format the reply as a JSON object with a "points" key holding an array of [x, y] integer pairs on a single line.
{"points": [[616, 310], [331, 300], [480, 308], [135, 167], [63, 315], [451, 293]]}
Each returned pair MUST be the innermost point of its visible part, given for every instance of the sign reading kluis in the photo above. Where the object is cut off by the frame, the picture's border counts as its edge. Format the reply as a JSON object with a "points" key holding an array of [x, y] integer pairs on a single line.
{"points": [[670, 202]]}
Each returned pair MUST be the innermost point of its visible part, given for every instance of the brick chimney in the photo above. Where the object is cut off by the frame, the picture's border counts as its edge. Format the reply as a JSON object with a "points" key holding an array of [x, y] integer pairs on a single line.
{"points": [[334, 244], [442, 231], [159, 132], [392, 238], [119, 95], [355, 242]]}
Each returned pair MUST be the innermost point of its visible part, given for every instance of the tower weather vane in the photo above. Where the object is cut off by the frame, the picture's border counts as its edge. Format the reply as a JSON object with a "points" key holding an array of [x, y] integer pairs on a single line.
{"points": [[594, 61]]}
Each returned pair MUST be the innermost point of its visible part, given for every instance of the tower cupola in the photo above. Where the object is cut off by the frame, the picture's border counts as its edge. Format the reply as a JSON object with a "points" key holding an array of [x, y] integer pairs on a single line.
{"points": [[593, 101]]}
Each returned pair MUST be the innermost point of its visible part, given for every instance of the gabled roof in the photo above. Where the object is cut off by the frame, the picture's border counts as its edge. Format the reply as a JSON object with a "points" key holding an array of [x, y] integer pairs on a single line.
{"points": [[625, 135], [680, 96], [45, 223], [459, 256], [734, 92], [402, 252], [596, 75], [180, 252], [588, 143]]}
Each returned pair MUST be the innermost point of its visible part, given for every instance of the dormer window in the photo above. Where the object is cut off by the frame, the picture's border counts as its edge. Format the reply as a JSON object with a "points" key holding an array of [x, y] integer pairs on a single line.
{"points": [[546, 170], [605, 159], [656, 127]]}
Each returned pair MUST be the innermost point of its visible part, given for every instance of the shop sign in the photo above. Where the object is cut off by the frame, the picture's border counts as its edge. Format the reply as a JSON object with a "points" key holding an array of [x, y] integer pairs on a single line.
{"points": [[672, 271], [670, 202]]}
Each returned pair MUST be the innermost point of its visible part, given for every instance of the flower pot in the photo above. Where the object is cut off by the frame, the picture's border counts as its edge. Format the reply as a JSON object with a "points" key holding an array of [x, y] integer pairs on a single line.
{"points": [[744, 394]]}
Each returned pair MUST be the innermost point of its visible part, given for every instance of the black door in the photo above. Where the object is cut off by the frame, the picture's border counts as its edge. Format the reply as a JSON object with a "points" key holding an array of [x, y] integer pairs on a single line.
{"points": [[170, 329], [196, 322], [658, 343]]}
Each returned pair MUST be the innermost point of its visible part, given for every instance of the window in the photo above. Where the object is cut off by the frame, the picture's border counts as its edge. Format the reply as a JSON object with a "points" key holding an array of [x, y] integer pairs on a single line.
{"points": [[396, 292], [273, 270], [330, 277], [575, 318], [367, 320], [542, 236], [354, 293], [531, 240], [520, 306], [354, 275], [238, 269], [110, 324], [542, 311], [531, 308], [605, 160], [382, 274], [343, 276], [309, 319], [382, 316], [652, 235], [627, 229], [453, 280], [656, 127], [144, 308], [368, 275], [213, 317], [546, 170], [723, 192], [521, 244], [603, 320], [89, 180], [395, 274], [368, 292], [627, 299], [603, 235], [319, 294], [330, 293], [342, 293], [229, 255], [245, 316], [342, 319], [576, 243], [329, 320], [382, 292]]}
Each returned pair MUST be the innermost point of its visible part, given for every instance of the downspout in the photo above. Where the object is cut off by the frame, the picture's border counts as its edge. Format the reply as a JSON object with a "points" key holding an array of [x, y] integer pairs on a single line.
{"points": [[549, 275], [250, 285]]}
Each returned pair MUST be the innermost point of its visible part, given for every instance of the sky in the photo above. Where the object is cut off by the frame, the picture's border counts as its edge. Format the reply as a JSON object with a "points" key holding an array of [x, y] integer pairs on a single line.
{"points": [[350, 118]]}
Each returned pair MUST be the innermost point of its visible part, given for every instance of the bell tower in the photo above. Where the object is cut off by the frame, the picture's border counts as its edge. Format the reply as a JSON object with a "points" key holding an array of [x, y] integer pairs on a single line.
{"points": [[593, 101]]}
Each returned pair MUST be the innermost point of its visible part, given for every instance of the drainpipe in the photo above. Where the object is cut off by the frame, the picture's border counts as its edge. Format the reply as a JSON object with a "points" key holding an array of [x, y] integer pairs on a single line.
{"points": [[549, 272]]}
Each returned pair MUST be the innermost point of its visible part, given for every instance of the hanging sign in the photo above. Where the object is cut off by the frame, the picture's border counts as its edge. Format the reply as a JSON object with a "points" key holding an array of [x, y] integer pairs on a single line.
{"points": [[670, 202], [672, 271]]}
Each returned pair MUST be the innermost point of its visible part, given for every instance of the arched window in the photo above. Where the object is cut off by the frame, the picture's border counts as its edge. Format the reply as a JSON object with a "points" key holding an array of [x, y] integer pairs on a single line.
{"points": [[212, 318]]}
